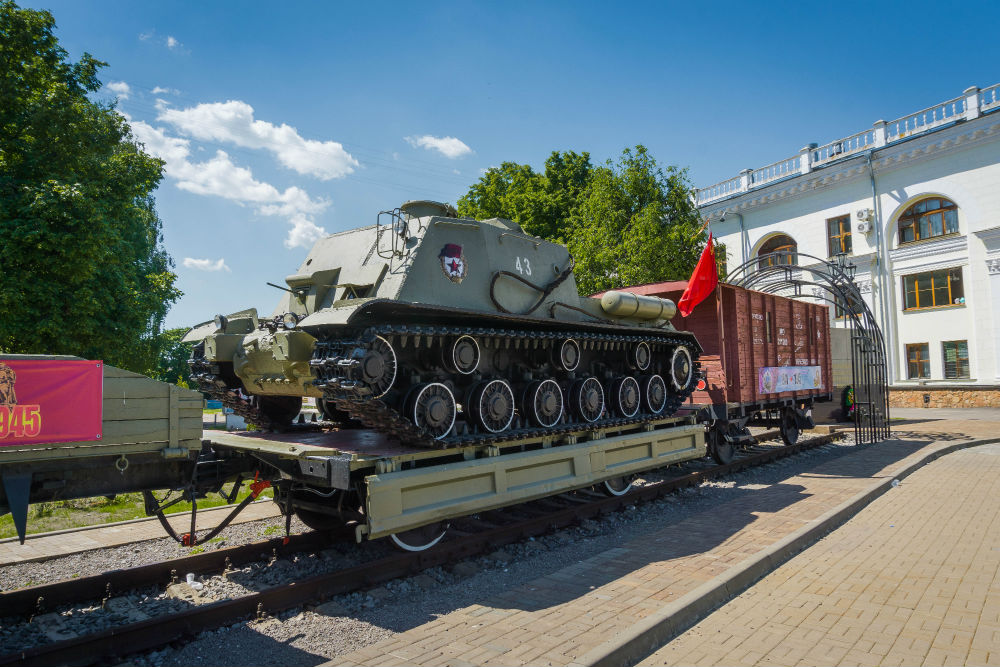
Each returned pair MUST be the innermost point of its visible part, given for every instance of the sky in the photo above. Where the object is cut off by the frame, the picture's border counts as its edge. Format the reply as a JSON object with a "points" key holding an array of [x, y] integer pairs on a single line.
{"points": [[282, 122]]}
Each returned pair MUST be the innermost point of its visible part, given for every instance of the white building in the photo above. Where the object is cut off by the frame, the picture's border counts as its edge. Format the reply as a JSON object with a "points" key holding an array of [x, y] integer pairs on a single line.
{"points": [[915, 203]]}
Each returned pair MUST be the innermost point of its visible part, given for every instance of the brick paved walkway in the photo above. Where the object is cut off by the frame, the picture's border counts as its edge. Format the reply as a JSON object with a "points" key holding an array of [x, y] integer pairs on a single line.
{"points": [[911, 580], [574, 615]]}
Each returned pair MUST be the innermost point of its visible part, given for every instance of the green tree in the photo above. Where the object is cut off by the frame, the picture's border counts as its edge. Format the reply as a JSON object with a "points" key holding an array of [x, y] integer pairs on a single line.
{"points": [[172, 365], [635, 223], [542, 204], [82, 267]]}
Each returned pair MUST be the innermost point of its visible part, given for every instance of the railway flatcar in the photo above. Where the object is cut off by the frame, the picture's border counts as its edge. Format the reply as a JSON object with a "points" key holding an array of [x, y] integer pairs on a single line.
{"points": [[766, 360]]}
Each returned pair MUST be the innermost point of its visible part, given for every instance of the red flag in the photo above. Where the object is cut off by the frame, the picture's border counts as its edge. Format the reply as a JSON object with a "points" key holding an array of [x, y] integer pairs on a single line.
{"points": [[703, 280]]}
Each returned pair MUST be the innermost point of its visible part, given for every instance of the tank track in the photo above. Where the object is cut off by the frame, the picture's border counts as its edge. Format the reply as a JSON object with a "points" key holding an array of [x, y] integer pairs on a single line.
{"points": [[211, 382], [334, 361]]}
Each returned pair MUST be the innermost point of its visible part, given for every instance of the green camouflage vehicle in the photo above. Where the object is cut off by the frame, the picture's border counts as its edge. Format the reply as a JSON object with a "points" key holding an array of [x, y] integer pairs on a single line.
{"points": [[446, 331]]}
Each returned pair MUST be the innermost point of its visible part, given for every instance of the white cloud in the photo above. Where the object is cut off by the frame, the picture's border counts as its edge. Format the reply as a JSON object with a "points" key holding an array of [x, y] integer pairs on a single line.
{"points": [[233, 122], [119, 88], [146, 36], [206, 264], [450, 147], [220, 177], [160, 90], [172, 43]]}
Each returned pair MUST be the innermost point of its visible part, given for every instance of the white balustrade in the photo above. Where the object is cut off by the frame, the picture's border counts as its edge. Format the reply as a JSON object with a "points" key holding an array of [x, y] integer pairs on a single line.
{"points": [[969, 106]]}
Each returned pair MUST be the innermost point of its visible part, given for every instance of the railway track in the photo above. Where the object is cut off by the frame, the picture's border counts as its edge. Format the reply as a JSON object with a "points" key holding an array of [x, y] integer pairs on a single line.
{"points": [[475, 536]]}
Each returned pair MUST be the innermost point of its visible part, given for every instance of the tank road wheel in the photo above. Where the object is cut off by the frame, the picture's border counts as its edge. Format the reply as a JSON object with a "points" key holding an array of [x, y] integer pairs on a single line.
{"points": [[419, 539], [587, 398], [789, 428], [681, 368], [617, 486], [493, 405], [654, 393], [465, 355], [543, 402], [641, 356], [625, 396], [432, 408], [378, 367], [569, 354], [281, 410]]}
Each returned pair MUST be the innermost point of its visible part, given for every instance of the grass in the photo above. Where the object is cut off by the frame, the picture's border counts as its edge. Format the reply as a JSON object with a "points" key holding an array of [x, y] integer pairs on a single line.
{"points": [[63, 514]]}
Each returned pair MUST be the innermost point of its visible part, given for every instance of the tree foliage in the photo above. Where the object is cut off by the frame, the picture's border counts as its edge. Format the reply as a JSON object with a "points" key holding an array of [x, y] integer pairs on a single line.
{"points": [[626, 222], [172, 365], [82, 267]]}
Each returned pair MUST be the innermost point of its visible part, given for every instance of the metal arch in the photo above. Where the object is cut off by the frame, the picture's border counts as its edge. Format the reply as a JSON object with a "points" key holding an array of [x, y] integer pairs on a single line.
{"points": [[869, 368]]}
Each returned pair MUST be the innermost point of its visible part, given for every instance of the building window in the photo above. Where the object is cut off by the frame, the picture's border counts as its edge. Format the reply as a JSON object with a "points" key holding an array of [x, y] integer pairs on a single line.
{"points": [[933, 289], [838, 232], [956, 359], [918, 362], [842, 307], [778, 250], [928, 218]]}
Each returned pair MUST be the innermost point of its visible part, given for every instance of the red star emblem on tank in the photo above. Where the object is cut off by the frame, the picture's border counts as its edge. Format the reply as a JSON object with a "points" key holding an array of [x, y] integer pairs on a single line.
{"points": [[453, 262]]}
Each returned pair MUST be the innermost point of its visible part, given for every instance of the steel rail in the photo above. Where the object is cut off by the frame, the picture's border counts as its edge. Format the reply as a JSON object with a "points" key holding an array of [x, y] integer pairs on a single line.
{"points": [[161, 630]]}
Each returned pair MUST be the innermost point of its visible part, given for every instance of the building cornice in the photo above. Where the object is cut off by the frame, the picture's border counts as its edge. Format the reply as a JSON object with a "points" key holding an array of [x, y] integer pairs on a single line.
{"points": [[958, 137], [929, 248]]}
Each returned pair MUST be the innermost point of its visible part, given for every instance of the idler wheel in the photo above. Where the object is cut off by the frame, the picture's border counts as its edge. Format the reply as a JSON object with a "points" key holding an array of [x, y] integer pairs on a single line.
{"points": [[432, 408], [587, 399], [569, 355], [626, 396], [543, 401], [641, 356], [681, 368], [465, 355], [493, 405], [654, 393], [378, 367]]}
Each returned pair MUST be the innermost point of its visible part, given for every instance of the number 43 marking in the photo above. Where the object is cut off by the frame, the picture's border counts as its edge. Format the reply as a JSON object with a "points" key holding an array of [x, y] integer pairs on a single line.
{"points": [[523, 266]]}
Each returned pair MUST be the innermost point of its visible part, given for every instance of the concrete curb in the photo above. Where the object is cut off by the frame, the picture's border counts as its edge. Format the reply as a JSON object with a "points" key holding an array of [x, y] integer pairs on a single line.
{"points": [[645, 637]]}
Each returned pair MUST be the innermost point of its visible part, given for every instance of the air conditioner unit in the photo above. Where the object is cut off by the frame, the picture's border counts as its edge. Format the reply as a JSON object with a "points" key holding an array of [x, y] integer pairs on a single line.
{"points": [[864, 214], [864, 226]]}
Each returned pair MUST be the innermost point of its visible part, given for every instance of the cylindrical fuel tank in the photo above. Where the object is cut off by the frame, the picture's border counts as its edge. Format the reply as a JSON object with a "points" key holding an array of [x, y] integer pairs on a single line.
{"points": [[626, 304]]}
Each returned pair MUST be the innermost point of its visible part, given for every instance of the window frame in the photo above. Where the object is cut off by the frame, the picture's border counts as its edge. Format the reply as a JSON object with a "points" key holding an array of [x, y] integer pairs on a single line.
{"points": [[842, 220], [919, 360], [930, 275], [768, 259], [910, 218], [958, 360]]}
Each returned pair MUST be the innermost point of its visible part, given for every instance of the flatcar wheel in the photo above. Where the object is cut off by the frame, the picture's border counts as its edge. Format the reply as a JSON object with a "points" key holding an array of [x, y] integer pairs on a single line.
{"points": [[432, 408], [419, 539], [789, 429], [617, 486], [543, 401], [493, 405], [654, 393], [681, 368], [721, 450], [587, 398], [318, 520], [626, 396]]}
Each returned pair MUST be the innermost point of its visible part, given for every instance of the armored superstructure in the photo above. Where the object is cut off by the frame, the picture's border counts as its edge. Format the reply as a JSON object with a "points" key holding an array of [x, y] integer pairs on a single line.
{"points": [[445, 331]]}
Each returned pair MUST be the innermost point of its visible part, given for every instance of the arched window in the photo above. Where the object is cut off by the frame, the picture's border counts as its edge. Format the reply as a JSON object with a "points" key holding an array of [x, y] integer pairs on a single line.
{"points": [[779, 249], [928, 218]]}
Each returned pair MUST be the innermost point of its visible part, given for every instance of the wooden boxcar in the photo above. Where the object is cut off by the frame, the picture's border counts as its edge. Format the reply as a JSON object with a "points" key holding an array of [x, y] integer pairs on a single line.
{"points": [[766, 357]]}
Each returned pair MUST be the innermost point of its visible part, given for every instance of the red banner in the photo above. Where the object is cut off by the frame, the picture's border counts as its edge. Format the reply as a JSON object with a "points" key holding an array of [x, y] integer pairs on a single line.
{"points": [[50, 400]]}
